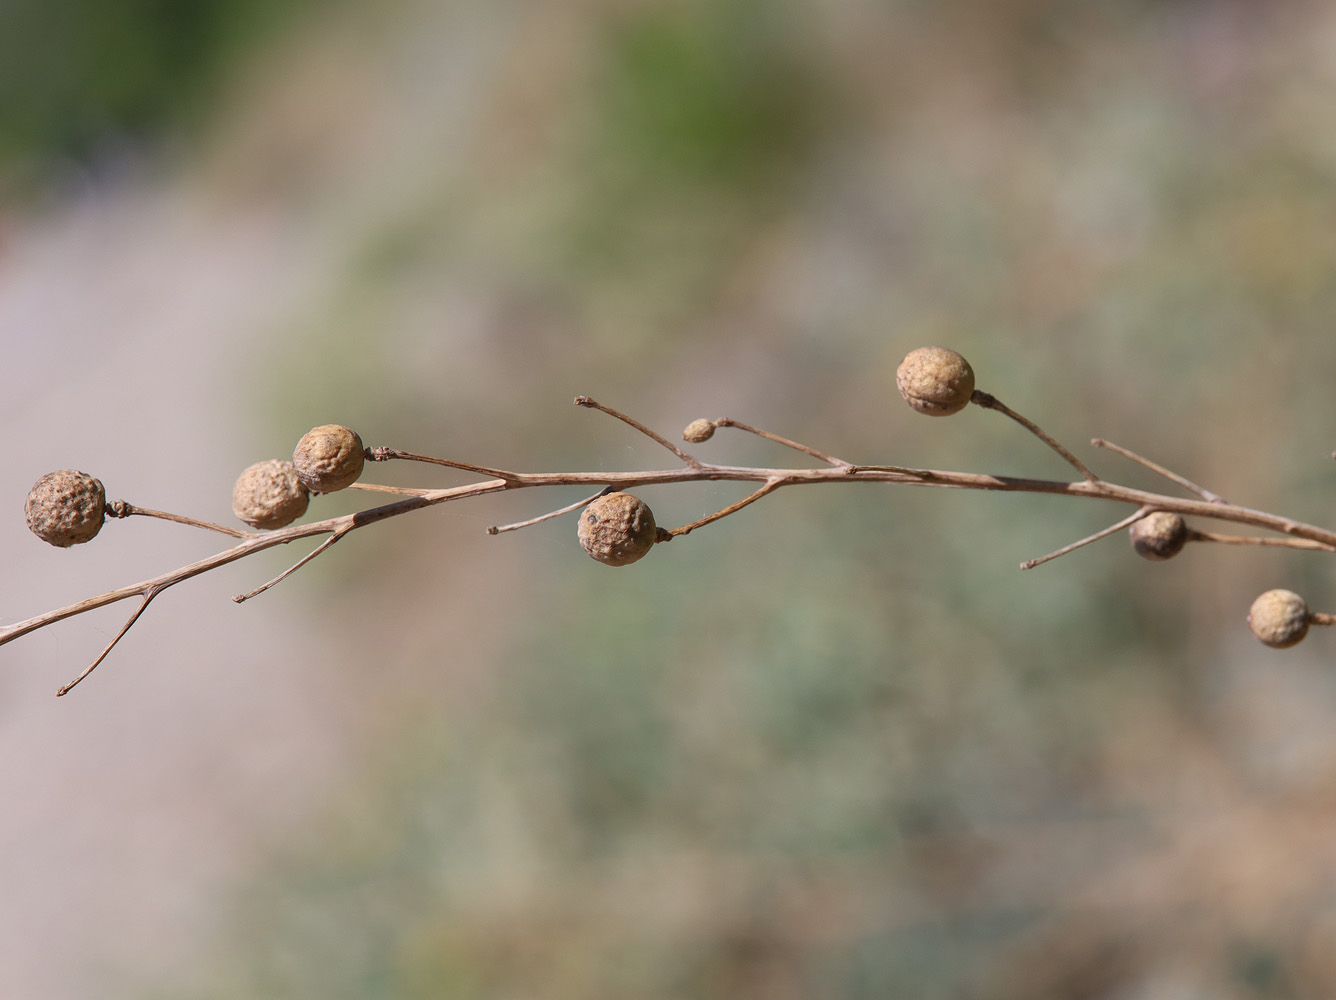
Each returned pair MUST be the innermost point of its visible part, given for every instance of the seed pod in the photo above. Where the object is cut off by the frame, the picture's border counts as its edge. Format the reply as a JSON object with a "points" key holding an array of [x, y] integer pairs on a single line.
{"points": [[698, 431], [617, 529], [936, 381], [329, 458], [66, 507], [269, 495], [1279, 618], [1159, 535]]}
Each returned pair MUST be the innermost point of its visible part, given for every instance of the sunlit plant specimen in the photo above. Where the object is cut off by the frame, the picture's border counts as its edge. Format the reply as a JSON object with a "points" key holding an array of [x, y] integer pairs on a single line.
{"points": [[617, 528]]}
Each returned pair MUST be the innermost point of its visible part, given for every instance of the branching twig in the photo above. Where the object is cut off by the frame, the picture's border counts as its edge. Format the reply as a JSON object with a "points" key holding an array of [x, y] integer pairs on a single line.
{"points": [[1287, 532], [990, 402], [1187, 484]]}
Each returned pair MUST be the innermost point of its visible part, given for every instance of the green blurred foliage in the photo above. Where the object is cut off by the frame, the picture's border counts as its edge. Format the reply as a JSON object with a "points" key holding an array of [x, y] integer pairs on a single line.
{"points": [[79, 75]]}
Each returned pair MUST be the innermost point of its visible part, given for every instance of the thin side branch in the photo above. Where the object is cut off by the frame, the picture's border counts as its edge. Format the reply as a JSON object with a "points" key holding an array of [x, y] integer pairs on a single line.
{"points": [[769, 487], [990, 402], [1196, 535], [595, 405], [1187, 484], [386, 454], [496, 529], [240, 598], [819, 455], [1104, 533], [119, 508], [148, 597]]}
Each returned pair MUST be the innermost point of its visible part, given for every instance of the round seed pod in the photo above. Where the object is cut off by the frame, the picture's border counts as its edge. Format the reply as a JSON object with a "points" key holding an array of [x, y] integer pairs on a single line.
{"points": [[1279, 618], [269, 495], [66, 507], [698, 431], [329, 458], [1159, 535], [936, 381], [617, 529]]}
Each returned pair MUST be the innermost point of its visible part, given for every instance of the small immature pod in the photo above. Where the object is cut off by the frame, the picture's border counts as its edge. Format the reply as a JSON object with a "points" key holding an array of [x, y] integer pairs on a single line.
{"points": [[329, 458], [1279, 618], [1159, 535], [936, 381], [65, 508], [617, 529], [698, 431], [269, 495]]}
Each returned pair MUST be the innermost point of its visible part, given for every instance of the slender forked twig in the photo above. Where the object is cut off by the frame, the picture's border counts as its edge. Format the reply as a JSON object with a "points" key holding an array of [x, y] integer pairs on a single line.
{"points": [[1081, 543], [1289, 532], [119, 508], [1155, 467], [820, 455], [990, 402]]}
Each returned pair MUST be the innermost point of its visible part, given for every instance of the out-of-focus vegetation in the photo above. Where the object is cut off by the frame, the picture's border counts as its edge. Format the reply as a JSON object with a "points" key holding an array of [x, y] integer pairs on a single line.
{"points": [[81, 79], [837, 745]]}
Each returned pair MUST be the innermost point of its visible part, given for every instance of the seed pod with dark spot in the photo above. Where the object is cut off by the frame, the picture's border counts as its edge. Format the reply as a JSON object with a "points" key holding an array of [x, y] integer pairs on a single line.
{"points": [[66, 507], [1159, 535], [617, 529]]}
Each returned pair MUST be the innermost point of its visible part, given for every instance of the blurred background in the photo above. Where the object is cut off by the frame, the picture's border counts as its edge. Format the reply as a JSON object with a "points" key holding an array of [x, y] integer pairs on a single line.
{"points": [[837, 745]]}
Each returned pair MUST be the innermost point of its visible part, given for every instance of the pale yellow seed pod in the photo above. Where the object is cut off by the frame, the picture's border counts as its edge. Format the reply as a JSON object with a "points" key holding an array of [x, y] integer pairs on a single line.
{"points": [[66, 508], [617, 529], [329, 458], [936, 381], [1159, 535], [269, 495], [698, 431], [1279, 618]]}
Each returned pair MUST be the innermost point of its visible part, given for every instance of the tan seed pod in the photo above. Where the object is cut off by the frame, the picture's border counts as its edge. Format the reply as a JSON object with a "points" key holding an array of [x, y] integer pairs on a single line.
{"points": [[1159, 535], [698, 431], [936, 381], [329, 458], [617, 529], [269, 495], [1279, 618], [66, 507]]}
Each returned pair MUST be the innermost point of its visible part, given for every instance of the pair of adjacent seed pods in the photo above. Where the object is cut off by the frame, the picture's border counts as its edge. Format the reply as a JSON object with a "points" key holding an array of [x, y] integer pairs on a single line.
{"points": [[69, 507]]}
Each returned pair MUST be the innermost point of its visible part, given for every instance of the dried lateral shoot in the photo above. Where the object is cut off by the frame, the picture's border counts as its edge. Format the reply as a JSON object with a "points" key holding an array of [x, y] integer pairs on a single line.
{"points": [[617, 528]]}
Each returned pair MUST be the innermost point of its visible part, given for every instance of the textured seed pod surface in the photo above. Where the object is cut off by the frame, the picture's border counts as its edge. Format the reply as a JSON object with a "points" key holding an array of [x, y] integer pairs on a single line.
{"points": [[617, 529], [269, 495], [698, 431], [329, 458], [1279, 618], [66, 507], [936, 381], [1159, 536]]}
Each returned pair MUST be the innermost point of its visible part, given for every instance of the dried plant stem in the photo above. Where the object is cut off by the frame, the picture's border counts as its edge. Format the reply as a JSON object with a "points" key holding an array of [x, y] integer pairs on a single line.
{"points": [[119, 508], [990, 402], [1289, 532], [1196, 535], [497, 529], [595, 405], [148, 597], [769, 487], [1187, 484], [241, 598], [822, 456], [385, 454], [1103, 533]]}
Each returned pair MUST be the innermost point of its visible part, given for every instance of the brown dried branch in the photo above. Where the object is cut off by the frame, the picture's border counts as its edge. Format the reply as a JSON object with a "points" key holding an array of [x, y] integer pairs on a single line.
{"points": [[1287, 532]]}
